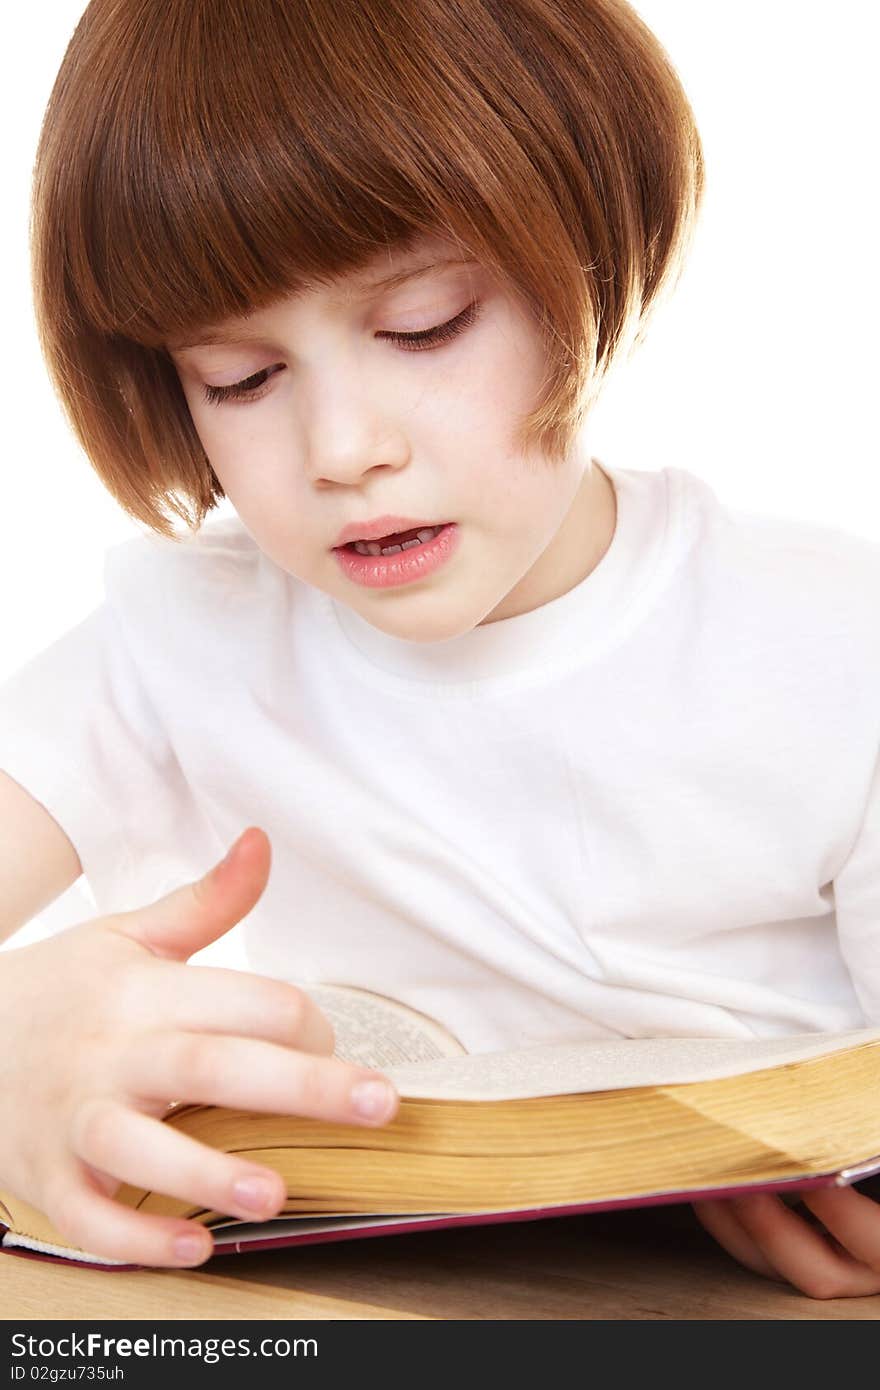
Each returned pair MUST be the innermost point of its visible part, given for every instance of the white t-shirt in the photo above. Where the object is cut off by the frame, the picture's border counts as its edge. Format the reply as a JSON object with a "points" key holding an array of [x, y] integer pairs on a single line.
{"points": [[651, 806]]}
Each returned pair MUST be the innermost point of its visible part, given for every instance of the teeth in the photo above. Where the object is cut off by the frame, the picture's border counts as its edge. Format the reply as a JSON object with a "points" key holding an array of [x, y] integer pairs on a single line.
{"points": [[374, 548]]}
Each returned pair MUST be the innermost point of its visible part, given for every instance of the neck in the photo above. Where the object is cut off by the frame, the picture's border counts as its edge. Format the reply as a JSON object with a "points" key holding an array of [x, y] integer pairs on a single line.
{"points": [[577, 548]]}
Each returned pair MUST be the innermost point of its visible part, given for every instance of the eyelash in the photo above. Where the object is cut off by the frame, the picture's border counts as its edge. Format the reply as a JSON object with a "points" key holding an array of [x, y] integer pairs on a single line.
{"points": [[249, 389]]}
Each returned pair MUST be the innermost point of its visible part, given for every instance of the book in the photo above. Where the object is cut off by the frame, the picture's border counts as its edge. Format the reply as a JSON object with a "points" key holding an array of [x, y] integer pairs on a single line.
{"points": [[544, 1130]]}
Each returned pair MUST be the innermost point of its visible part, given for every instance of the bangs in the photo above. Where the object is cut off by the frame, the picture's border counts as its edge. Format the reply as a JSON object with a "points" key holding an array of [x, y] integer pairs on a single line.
{"points": [[245, 151], [201, 159]]}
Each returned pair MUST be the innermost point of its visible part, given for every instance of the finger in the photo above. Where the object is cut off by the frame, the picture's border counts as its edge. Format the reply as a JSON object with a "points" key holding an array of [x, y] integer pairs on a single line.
{"points": [[96, 1224], [721, 1223], [801, 1253], [148, 1154], [200, 912], [851, 1219], [247, 1074], [210, 999]]}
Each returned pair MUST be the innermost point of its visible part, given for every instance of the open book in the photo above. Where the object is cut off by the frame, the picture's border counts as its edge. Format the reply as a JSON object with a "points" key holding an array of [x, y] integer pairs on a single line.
{"points": [[542, 1131]]}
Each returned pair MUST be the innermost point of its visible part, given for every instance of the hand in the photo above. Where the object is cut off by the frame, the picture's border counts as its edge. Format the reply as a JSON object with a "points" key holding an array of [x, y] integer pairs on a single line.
{"points": [[105, 1024], [841, 1261]]}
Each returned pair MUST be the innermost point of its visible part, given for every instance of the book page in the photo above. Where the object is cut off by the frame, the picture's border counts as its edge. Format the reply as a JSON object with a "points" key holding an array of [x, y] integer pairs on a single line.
{"points": [[377, 1032], [233, 1232], [600, 1064]]}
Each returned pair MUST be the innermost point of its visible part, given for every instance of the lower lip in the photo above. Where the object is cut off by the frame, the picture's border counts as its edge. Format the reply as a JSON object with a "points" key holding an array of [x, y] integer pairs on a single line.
{"points": [[387, 571]]}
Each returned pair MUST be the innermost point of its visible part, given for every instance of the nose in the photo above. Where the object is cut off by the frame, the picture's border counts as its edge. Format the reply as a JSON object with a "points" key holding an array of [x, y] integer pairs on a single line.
{"points": [[349, 432]]}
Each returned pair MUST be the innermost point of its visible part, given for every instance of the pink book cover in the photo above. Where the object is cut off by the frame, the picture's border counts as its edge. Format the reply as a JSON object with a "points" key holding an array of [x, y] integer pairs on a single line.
{"points": [[240, 1238]]}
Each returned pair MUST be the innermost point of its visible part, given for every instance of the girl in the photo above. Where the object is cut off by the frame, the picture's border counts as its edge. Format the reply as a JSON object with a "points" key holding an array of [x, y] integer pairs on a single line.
{"points": [[543, 748]]}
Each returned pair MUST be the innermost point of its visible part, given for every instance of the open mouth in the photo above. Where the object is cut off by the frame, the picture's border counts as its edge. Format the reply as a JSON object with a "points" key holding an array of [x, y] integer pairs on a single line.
{"points": [[405, 557], [396, 542]]}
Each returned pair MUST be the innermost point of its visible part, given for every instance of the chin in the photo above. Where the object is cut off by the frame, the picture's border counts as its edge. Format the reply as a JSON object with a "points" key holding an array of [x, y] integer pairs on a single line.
{"points": [[431, 628]]}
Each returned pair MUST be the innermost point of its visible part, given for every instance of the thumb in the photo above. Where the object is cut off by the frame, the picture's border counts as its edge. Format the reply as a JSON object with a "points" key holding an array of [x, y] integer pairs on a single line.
{"points": [[193, 916]]}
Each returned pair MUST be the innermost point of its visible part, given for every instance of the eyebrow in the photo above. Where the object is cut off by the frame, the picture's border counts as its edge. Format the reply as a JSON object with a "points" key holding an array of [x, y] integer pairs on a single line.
{"points": [[363, 288]]}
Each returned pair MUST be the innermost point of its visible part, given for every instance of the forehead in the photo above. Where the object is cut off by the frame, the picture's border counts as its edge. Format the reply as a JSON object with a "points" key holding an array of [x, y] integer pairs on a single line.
{"points": [[386, 271]]}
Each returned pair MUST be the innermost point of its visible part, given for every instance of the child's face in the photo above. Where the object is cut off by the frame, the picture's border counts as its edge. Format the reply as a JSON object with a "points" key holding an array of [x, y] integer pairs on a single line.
{"points": [[348, 425]]}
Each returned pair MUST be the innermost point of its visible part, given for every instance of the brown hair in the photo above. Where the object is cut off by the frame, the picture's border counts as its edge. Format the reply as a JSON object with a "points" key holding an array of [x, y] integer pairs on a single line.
{"points": [[198, 159]]}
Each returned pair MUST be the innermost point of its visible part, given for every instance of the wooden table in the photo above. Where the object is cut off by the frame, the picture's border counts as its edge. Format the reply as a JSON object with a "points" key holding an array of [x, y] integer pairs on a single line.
{"points": [[647, 1264]]}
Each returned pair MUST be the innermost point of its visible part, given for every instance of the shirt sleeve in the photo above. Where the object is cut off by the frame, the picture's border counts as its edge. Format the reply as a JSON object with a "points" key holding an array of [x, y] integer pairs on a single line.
{"points": [[78, 732], [857, 900]]}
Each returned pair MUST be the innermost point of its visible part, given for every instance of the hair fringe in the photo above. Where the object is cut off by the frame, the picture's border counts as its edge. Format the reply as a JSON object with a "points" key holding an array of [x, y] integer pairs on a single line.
{"points": [[242, 150]]}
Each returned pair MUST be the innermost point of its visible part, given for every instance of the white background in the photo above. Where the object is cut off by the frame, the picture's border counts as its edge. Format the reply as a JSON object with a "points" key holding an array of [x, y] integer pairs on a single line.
{"points": [[758, 374]]}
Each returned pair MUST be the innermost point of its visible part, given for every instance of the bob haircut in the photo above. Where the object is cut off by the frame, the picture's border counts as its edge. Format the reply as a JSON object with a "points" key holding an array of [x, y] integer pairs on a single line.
{"points": [[200, 159]]}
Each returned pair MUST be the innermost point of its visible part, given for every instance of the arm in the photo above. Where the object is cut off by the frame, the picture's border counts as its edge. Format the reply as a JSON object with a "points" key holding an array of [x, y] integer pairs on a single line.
{"points": [[833, 1250], [37, 861]]}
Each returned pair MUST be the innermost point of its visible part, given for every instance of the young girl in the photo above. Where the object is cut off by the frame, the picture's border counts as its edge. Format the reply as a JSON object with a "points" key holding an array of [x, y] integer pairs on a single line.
{"points": [[543, 748]]}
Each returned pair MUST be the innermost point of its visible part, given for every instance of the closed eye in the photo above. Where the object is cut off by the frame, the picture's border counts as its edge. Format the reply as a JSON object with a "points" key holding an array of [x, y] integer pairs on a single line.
{"points": [[249, 389]]}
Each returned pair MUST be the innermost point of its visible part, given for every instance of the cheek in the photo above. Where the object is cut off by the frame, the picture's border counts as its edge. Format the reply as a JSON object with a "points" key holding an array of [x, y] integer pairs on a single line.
{"points": [[238, 455], [509, 379], [211, 436], [259, 490], [469, 421]]}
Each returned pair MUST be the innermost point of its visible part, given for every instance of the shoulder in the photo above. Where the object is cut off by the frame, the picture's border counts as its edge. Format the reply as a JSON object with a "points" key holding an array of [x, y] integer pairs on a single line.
{"points": [[204, 596], [219, 569], [221, 546], [783, 572]]}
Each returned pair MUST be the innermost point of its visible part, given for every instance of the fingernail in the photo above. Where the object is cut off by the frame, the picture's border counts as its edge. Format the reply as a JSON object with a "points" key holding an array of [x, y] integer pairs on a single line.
{"points": [[255, 1193], [231, 851], [191, 1249], [219, 868], [372, 1100]]}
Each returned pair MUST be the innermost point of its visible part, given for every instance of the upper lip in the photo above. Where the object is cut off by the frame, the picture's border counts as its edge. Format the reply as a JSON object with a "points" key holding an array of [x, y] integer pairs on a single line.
{"points": [[377, 528]]}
